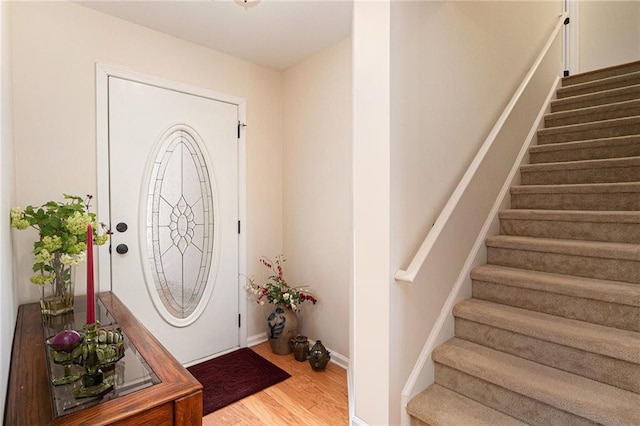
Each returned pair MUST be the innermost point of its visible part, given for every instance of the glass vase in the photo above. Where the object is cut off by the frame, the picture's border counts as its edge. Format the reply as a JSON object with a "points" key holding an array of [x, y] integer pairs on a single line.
{"points": [[57, 297]]}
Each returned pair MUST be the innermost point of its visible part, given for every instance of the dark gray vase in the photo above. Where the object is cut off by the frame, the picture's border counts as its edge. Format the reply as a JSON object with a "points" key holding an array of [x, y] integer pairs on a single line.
{"points": [[318, 356], [300, 346]]}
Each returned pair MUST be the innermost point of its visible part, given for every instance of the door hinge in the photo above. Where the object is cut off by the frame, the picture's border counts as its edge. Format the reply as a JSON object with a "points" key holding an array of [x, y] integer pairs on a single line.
{"points": [[567, 20], [239, 320], [240, 125], [239, 227]]}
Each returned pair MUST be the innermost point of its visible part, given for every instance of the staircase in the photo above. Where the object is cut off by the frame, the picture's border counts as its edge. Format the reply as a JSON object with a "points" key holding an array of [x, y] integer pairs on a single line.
{"points": [[552, 333]]}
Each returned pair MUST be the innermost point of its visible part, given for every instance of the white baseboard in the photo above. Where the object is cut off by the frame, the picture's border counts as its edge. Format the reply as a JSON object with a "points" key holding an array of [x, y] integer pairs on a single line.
{"points": [[256, 339], [356, 421], [339, 360], [209, 357]]}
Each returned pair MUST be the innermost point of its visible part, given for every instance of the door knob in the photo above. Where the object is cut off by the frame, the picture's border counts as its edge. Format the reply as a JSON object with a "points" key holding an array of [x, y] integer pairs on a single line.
{"points": [[122, 248], [121, 227]]}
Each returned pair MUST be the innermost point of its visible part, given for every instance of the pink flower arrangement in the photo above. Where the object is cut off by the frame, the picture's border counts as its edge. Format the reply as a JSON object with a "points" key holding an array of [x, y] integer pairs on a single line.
{"points": [[276, 290]]}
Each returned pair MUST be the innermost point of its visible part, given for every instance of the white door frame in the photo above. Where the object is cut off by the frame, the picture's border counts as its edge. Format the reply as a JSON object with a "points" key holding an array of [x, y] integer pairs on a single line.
{"points": [[103, 72], [572, 37]]}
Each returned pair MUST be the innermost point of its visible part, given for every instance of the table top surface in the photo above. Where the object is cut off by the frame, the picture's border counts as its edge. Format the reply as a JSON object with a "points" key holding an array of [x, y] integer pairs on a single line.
{"points": [[29, 396], [129, 374]]}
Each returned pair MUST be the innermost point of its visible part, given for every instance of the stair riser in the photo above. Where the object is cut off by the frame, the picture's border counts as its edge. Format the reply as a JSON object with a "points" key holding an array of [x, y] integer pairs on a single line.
{"points": [[596, 175], [579, 118], [514, 404], [625, 201], [571, 135], [591, 267], [572, 230], [598, 86], [600, 74], [585, 153], [595, 99], [615, 372], [583, 309]]}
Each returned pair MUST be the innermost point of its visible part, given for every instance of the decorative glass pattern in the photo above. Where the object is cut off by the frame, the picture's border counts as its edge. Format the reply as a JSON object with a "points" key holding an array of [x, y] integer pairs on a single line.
{"points": [[180, 223]]}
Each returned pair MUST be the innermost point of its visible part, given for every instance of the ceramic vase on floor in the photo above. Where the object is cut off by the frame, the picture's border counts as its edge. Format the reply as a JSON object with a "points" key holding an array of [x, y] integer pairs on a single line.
{"points": [[282, 326], [318, 356], [300, 347]]}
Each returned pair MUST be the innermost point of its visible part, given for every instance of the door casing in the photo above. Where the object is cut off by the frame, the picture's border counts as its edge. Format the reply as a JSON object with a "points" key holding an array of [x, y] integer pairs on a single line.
{"points": [[103, 72]]}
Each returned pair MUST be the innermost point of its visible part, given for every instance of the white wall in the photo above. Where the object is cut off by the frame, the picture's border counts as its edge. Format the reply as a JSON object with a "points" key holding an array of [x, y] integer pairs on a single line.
{"points": [[370, 310], [317, 190], [609, 33], [55, 47], [8, 299], [454, 67]]}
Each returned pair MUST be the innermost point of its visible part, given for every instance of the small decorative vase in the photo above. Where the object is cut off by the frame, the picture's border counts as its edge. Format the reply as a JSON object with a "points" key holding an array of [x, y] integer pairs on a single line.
{"points": [[282, 326], [62, 347], [89, 356], [300, 346], [57, 297], [318, 356]]}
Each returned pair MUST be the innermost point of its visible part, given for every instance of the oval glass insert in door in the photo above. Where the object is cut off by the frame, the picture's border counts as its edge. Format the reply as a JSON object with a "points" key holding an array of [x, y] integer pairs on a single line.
{"points": [[179, 223]]}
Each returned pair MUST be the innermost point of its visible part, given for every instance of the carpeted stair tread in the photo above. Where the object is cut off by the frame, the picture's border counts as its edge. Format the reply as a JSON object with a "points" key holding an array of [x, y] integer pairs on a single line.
{"points": [[616, 147], [583, 164], [584, 131], [607, 341], [439, 406], [618, 292], [603, 73], [597, 98], [570, 228], [601, 260], [626, 169], [606, 83], [583, 397], [624, 196], [602, 216], [594, 225], [623, 187], [599, 301], [594, 113], [597, 249]]}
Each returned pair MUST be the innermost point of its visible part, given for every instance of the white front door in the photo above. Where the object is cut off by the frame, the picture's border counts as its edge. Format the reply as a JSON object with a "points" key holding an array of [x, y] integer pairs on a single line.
{"points": [[173, 176]]}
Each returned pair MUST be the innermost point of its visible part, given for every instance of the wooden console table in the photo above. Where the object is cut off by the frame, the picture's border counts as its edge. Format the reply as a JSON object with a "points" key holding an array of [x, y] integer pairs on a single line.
{"points": [[176, 400]]}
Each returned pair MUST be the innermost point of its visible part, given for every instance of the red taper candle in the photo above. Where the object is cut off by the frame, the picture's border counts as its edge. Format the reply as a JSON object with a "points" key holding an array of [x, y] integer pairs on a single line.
{"points": [[91, 308]]}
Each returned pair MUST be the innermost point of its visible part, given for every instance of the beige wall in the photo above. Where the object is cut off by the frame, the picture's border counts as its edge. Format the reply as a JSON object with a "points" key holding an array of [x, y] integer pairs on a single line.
{"points": [[8, 300], [55, 48], [317, 190], [454, 67], [609, 33]]}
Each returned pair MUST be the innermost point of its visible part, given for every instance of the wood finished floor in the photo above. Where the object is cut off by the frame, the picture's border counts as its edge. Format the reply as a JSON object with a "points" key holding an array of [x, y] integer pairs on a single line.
{"points": [[306, 398]]}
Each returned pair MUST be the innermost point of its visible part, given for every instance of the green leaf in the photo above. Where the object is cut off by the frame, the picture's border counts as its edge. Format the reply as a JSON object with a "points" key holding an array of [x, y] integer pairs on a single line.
{"points": [[54, 221]]}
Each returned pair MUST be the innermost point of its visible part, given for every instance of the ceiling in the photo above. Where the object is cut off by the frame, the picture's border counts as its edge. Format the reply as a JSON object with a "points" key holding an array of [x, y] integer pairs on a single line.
{"points": [[275, 33]]}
